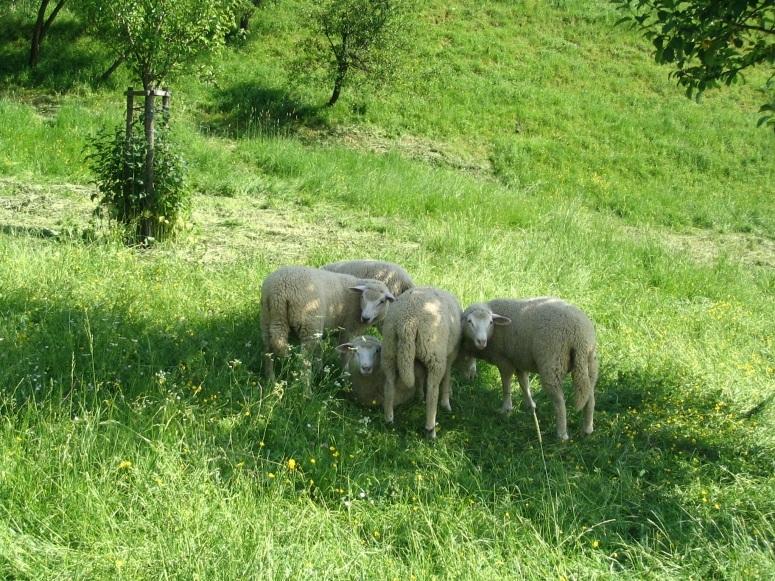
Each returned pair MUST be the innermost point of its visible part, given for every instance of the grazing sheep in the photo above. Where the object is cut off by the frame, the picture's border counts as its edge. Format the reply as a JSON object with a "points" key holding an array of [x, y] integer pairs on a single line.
{"points": [[363, 362], [544, 335], [395, 277], [422, 326], [309, 301]]}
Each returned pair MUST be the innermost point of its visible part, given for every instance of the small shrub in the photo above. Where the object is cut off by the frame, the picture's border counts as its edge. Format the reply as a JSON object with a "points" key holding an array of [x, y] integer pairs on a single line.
{"points": [[119, 166]]}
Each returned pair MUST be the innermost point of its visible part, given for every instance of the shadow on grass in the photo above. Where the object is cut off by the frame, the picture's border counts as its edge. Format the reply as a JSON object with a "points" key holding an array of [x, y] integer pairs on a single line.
{"points": [[246, 110], [652, 473], [71, 346], [68, 55], [662, 470]]}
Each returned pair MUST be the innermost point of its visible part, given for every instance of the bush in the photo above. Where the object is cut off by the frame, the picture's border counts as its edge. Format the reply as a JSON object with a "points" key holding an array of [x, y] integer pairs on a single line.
{"points": [[119, 166]]}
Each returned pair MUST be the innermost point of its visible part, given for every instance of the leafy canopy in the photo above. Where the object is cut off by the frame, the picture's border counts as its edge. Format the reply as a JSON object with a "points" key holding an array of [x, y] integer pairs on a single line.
{"points": [[359, 40], [157, 37], [710, 42]]}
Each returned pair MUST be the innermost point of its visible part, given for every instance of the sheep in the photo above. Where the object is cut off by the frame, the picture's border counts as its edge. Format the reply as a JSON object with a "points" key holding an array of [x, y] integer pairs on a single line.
{"points": [[309, 301], [544, 335], [393, 275], [363, 362], [422, 326]]}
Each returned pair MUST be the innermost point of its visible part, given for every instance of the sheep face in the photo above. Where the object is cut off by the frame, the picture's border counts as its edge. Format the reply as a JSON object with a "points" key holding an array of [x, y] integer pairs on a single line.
{"points": [[479, 324], [364, 353], [375, 298]]}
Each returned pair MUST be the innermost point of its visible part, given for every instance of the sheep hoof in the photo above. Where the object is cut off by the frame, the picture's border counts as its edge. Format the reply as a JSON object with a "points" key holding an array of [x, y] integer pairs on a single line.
{"points": [[430, 434], [505, 410], [563, 437], [446, 406]]}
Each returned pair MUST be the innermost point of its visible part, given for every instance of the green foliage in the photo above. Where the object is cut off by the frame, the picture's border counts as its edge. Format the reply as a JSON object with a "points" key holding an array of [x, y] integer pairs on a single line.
{"points": [[119, 166], [710, 42], [354, 40], [158, 37]]}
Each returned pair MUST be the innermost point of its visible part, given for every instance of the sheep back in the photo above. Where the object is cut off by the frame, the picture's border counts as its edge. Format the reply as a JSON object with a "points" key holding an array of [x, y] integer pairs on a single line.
{"points": [[423, 325], [393, 275]]}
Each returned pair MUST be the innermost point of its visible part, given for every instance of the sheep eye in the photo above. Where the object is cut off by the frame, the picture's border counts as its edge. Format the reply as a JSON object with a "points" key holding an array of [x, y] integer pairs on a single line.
{"points": [[491, 323]]}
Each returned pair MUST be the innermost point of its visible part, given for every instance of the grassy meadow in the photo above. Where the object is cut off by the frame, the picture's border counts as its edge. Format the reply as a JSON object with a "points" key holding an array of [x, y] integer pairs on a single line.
{"points": [[529, 148]]}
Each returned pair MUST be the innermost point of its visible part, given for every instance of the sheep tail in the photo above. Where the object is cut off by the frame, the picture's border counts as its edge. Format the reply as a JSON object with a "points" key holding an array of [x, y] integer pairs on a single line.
{"points": [[584, 369], [405, 353]]}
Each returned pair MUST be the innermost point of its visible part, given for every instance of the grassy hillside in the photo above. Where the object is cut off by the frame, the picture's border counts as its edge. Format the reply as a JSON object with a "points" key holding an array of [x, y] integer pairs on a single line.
{"points": [[530, 148]]}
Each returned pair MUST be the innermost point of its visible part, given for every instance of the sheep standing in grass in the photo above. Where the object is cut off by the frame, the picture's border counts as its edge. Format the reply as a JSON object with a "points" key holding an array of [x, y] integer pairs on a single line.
{"points": [[309, 301], [364, 364], [422, 326], [394, 276], [544, 335]]}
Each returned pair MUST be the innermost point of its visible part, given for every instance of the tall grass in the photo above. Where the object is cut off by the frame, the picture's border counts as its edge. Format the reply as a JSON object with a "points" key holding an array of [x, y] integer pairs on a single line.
{"points": [[138, 439]]}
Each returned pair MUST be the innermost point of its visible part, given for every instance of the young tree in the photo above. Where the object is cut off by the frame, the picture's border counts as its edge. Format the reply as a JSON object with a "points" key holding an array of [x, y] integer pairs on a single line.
{"points": [[156, 39], [361, 37], [709, 42]]}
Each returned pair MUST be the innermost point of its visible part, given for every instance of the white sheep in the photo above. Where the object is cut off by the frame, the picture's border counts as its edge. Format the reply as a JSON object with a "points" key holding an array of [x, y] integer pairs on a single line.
{"points": [[363, 361], [422, 326], [393, 275], [544, 335], [309, 301]]}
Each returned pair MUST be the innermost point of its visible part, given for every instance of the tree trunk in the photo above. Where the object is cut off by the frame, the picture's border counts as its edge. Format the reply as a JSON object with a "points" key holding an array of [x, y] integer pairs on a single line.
{"points": [[37, 33], [148, 224], [42, 24], [341, 73], [129, 193], [111, 69], [244, 21]]}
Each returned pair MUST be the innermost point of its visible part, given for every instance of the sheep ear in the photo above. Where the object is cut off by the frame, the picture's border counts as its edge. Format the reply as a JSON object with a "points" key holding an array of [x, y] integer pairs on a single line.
{"points": [[389, 296], [345, 348], [500, 319], [358, 288]]}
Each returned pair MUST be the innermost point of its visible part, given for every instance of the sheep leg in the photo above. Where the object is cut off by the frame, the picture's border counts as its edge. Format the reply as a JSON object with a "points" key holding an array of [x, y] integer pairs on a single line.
{"points": [[389, 394], [589, 412], [553, 385], [310, 340], [506, 372], [445, 390], [527, 397], [432, 380], [275, 339], [419, 381]]}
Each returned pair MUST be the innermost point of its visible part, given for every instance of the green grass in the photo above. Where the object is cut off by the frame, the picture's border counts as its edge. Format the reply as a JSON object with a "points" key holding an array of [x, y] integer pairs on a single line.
{"points": [[530, 149]]}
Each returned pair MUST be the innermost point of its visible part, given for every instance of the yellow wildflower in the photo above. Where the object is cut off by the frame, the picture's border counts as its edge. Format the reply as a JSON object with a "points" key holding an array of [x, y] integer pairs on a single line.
{"points": [[291, 464], [124, 465]]}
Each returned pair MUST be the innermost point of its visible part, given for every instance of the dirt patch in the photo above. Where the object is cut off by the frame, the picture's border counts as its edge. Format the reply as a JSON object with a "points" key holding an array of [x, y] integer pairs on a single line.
{"points": [[222, 229]]}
